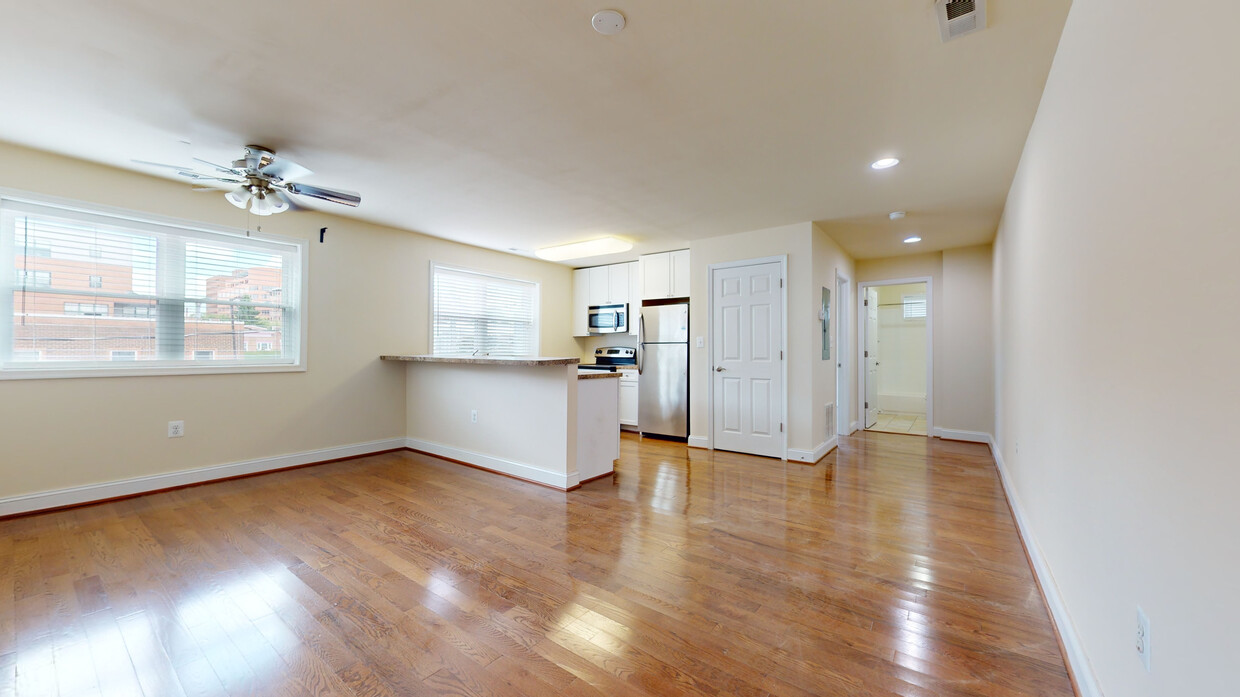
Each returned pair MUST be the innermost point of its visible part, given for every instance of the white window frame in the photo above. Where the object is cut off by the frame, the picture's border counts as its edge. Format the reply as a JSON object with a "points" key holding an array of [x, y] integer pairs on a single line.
{"points": [[297, 321], [914, 300], [536, 303]]}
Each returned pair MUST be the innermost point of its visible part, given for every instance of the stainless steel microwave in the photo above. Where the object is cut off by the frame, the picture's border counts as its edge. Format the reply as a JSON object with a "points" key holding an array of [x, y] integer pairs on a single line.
{"points": [[609, 319]]}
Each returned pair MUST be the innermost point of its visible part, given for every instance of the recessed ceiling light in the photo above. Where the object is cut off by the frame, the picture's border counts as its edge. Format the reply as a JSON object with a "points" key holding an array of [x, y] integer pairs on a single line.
{"points": [[885, 163], [607, 22], [912, 240], [896, 215], [579, 250]]}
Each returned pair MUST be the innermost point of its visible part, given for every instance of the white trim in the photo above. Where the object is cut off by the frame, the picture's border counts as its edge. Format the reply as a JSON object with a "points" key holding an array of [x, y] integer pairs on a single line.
{"points": [[816, 454], [72, 496], [699, 442], [782, 260], [929, 281], [1079, 663], [497, 464], [969, 436], [853, 426]]}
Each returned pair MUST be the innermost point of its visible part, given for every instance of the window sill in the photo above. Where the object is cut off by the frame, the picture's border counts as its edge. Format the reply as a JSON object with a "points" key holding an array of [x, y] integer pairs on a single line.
{"points": [[129, 372]]}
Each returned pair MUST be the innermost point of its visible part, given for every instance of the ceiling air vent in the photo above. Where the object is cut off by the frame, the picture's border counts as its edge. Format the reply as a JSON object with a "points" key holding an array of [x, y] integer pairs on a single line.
{"points": [[960, 17]]}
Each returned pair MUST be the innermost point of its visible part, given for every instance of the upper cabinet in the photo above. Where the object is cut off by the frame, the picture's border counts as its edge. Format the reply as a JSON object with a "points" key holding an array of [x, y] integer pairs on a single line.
{"points": [[665, 275], [614, 284]]}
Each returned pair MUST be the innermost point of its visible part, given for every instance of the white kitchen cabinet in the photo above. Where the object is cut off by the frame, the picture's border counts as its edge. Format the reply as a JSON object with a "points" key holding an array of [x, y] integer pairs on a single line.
{"points": [[665, 275], [635, 296], [599, 278], [617, 283], [680, 273], [628, 399], [581, 302]]}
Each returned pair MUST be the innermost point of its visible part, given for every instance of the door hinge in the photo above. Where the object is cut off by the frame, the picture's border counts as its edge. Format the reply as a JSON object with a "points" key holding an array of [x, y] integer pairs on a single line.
{"points": [[867, 405], [867, 354], [867, 302], [781, 428], [781, 283], [781, 355]]}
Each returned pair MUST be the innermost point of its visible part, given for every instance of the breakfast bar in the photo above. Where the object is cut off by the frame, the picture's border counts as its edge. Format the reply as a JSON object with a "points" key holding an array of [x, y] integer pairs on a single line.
{"points": [[531, 418]]}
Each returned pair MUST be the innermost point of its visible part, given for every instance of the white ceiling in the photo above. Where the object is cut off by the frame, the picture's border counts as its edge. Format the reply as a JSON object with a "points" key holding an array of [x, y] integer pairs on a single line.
{"points": [[515, 125]]}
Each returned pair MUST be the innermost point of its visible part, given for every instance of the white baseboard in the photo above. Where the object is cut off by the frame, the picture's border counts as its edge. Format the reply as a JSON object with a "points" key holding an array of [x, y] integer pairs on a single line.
{"points": [[854, 427], [1078, 662], [816, 454], [73, 496], [699, 442], [970, 436], [513, 468]]}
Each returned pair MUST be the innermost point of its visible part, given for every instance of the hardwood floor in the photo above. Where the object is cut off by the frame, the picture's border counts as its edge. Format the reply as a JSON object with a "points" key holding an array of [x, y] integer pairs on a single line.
{"points": [[892, 567]]}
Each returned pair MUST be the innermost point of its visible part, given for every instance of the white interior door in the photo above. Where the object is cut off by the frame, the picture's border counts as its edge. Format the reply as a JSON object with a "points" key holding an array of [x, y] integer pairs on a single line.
{"points": [[747, 371], [871, 356]]}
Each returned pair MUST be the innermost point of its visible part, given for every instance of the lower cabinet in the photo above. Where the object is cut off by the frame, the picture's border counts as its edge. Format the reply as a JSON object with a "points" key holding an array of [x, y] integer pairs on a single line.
{"points": [[628, 401]]}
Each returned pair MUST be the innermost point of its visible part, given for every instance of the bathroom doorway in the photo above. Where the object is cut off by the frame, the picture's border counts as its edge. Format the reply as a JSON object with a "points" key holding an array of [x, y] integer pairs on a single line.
{"points": [[896, 354]]}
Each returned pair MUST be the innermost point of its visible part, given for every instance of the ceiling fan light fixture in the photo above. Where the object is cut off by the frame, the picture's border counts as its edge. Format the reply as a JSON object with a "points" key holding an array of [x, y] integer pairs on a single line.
{"points": [[278, 201], [260, 205], [239, 196], [588, 248]]}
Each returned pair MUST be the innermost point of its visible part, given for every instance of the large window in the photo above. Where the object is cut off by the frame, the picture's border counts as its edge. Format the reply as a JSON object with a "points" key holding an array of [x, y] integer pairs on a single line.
{"points": [[476, 313], [82, 289]]}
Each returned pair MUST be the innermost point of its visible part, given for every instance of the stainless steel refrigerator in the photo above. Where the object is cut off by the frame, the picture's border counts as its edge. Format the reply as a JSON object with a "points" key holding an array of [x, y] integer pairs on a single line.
{"points": [[663, 370]]}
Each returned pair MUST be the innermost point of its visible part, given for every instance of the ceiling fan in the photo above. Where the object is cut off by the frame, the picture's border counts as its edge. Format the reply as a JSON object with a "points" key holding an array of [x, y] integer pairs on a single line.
{"points": [[263, 181]]}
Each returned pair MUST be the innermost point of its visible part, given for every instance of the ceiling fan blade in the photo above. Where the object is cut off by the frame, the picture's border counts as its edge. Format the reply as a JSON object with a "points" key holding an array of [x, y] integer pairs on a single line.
{"points": [[159, 164], [199, 176], [222, 168], [345, 198], [285, 170]]}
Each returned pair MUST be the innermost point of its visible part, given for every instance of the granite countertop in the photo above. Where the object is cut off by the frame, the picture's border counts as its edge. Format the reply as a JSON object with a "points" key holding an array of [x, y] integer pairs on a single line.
{"points": [[526, 361], [596, 375]]}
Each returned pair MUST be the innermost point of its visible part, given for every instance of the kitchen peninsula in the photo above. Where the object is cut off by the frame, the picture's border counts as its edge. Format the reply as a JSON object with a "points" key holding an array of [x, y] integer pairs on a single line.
{"points": [[530, 418]]}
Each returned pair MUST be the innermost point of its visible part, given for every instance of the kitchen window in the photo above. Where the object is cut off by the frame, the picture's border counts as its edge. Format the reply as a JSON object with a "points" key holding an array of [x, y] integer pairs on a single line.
{"points": [[177, 292], [477, 313]]}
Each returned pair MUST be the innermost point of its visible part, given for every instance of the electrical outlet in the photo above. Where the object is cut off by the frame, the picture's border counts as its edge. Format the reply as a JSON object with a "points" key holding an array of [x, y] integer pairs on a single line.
{"points": [[473, 416], [176, 429], [1143, 638]]}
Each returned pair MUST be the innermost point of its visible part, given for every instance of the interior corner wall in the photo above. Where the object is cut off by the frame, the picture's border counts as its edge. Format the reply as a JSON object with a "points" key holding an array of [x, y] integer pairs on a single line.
{"points": [[1116, 335], [794, 242], [830, 260], [368, 295]]}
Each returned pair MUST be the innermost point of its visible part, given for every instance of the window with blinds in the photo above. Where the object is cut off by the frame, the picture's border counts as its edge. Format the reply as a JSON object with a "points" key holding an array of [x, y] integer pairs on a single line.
{"points": [[914, 306], [475, 313], [82, 290]]}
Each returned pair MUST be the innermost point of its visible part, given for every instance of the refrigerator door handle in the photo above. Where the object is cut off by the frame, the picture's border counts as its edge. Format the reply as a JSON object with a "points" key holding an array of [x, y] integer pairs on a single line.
{"points": [[641, 341]]}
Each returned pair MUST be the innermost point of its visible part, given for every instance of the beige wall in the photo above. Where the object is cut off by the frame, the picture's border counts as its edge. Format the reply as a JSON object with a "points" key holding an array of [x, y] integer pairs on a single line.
{"points": [[963, 400], [813, 258], [967, 364], [831, 261], [368, 295], [1117, 414]]}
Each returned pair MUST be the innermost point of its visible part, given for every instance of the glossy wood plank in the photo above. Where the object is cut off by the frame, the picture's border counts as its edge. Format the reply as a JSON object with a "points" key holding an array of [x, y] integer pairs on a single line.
{"points": [[892, 567]]}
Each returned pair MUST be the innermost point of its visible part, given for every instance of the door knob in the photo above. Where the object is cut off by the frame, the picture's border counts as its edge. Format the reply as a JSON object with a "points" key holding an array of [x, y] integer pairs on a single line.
{"points": [[720, 369]]}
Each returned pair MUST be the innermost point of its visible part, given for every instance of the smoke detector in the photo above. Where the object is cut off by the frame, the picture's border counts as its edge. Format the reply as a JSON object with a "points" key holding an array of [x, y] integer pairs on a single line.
{"points": [[960, 17], [607, 22]]}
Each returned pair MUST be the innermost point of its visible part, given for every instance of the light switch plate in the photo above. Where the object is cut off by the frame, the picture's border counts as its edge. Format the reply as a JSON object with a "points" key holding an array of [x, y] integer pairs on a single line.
{"points": [[701, 342]]}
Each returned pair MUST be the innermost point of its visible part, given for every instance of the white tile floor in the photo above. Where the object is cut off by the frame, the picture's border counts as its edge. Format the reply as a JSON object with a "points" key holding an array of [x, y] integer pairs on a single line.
{"points": [[897, 422]]}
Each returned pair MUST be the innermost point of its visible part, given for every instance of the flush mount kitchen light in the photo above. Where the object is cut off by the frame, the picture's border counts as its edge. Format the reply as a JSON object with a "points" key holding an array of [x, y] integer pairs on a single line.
{"points": [[885, 163], [579, 250], [896, 215], [912, 240]]}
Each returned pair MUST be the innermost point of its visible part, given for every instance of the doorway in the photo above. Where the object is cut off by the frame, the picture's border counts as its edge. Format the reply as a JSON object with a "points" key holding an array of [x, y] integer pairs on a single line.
{"points": [[897, 354], [747, 368]]}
